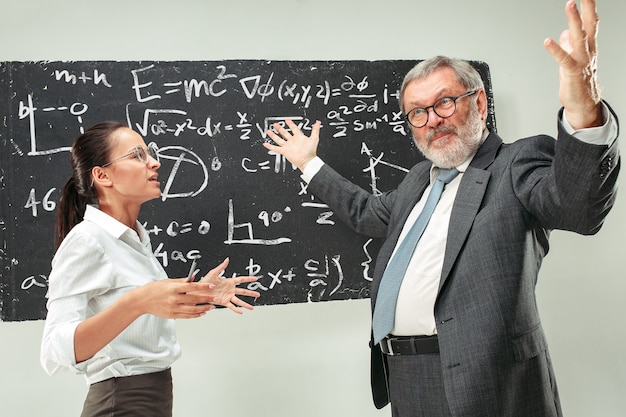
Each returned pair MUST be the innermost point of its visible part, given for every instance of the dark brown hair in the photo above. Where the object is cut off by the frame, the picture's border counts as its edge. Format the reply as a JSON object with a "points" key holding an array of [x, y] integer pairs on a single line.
{"points": [[89, 150]]}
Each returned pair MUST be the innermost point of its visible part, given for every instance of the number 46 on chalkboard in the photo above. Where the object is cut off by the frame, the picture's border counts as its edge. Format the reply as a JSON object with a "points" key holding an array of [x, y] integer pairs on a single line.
{"points": [[47, 203]]}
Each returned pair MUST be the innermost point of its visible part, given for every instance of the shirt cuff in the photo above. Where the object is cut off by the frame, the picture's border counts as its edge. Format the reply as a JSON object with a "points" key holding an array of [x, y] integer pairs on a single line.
{"points": [[311, 169], [601, 135], [57, 351]]}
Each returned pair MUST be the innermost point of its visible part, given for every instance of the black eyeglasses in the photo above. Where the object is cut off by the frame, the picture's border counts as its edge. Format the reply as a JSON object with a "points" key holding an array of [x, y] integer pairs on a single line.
{"points": [[444, 108], [140, 153]]}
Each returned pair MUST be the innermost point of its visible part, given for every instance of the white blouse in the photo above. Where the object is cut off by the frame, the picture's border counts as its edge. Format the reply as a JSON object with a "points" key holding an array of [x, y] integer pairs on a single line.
{"points": [[100, 260]]}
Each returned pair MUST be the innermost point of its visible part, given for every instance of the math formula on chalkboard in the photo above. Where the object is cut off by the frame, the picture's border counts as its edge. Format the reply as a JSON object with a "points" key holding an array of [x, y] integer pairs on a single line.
{"points": [[223, 193]]}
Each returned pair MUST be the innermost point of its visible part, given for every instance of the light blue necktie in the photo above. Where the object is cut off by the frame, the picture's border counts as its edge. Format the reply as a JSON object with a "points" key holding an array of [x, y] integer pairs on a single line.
{"points": [[385, 308]]}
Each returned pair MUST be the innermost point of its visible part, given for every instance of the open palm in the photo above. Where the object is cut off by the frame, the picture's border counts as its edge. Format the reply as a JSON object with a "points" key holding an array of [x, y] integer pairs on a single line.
{"points": [[226, 292]]}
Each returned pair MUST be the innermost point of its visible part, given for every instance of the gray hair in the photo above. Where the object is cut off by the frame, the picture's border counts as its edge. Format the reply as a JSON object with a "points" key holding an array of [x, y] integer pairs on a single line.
{"points": [[466, 74]]}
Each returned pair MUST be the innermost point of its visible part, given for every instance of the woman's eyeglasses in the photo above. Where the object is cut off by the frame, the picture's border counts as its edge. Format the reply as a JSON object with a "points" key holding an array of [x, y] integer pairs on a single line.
{"points": [[140, 153]]}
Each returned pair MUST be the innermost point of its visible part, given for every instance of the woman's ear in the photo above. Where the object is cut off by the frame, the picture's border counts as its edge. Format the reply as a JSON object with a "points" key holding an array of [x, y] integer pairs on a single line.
{"points": [[100, 177]]}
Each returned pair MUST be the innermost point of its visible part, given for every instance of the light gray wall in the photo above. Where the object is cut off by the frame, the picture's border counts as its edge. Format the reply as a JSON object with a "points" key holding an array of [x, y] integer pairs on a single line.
{"points": [[312, 359]]}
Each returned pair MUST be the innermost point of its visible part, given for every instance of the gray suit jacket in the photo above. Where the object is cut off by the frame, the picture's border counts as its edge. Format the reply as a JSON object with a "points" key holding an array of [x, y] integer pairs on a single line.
{"points": [[494, 354]]}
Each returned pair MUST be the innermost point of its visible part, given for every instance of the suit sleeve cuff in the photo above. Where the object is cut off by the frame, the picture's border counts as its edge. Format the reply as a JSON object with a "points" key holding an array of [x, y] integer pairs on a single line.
{"points": [[601, 135]]}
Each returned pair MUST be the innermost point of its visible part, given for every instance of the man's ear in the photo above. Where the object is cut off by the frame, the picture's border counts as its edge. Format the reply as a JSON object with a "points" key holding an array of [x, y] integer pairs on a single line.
{"points": [[482, 104], [100, 177]]}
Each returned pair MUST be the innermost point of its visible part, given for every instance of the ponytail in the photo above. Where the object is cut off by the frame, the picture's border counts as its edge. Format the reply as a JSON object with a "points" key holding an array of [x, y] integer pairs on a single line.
{"points": [[70, 211]]}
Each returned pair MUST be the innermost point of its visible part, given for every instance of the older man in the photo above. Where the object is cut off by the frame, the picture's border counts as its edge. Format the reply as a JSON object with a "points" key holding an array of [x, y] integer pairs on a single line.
{"points": [[456, 330]]}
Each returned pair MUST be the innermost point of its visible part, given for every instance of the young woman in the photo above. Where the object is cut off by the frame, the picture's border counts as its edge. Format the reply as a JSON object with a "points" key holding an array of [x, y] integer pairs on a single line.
{"points": [[110, 303]]}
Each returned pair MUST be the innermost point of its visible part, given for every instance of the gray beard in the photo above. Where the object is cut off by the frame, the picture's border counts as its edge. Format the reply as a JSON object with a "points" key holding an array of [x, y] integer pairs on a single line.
{"points": [[468, 140]]}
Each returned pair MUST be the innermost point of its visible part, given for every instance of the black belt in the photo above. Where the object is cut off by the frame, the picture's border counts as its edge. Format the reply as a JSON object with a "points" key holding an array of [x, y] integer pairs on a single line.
{"points": [[409, 345]]}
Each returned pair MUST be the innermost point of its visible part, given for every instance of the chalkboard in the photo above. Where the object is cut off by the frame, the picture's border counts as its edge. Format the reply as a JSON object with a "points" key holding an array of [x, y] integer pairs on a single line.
{"points": [[223, 193]]}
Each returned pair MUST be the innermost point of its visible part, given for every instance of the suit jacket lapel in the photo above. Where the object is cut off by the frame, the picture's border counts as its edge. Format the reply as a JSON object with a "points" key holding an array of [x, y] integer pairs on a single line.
{"points": [[467, 202], [422, 180]]}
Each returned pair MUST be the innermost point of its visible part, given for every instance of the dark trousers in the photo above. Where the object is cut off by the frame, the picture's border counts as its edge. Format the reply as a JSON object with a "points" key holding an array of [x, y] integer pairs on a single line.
{"points": [[131, 396], [416, 386]]}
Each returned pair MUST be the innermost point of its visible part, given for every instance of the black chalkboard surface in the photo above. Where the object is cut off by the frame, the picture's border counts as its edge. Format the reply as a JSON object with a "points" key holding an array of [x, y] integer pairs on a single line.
{"points": [[223, 193]]}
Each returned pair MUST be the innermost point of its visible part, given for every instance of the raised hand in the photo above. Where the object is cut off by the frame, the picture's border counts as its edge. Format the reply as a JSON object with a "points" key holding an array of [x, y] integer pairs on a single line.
{"points": [[298, 148], [225, 291], [577, 55]]}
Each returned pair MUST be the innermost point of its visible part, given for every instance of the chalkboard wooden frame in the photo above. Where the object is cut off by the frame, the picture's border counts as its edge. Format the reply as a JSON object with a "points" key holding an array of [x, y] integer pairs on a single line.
{"points": [[223, 193]]}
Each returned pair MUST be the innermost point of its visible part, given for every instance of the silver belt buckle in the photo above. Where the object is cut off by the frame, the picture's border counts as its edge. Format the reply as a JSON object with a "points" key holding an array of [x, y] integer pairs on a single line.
{"points": [[389, 347]]}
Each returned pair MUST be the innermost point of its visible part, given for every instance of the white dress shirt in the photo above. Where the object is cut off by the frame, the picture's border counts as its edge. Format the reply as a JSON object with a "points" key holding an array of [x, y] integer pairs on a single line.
{"points": [[415, 313], [424, 269], [98, 261]]}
